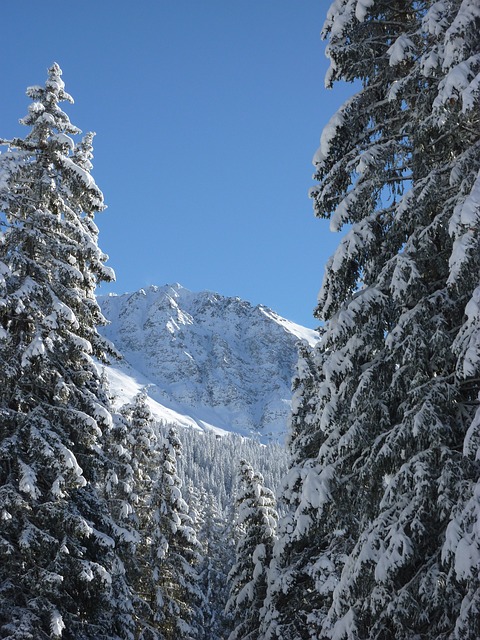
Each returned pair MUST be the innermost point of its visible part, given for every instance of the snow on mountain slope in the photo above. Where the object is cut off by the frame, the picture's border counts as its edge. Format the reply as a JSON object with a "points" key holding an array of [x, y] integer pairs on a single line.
{"points": [[207, 360]]}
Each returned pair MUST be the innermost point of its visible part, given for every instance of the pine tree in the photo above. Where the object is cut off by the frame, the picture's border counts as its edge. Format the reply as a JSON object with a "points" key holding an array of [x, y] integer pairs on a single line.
{"points": [[247, 579], [215, 534], [135, 461], [299, 566], [381, 541], [175, 598], [58, 568]]}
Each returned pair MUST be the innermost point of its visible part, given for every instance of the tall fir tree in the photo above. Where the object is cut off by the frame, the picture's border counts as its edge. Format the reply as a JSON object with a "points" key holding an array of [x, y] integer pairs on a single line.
{"points": [[257, 521], [218, 555], [298, 566], [138, 474], [381, 540], [130, 478], [173, 586], [58, 567]]}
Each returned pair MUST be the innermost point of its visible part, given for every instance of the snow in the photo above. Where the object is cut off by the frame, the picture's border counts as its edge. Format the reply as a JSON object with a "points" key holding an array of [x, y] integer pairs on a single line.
{"points": [[125, 383], [464, 20], [34, 91], [367, 158], [467, 558], [56, 624], [87, 421], [63, 140], [28, 480], [434, 21], [361, 9], [463, 225], [399, 548], [71, 463], [303, 333], [45, 118], [86, 574], [471, 445], [429, 63], [401, 50], [61, 309], [339, 16], [316, 487], [36, 107], [470, 94], [461, 81], [102, 415], [82, 343], [405, 275], [34, 349], [328, 135], [355, 240], [103, 539], [345, 628], [467, 213], [56, 489], [462, 246], [83, 175], [207, 362], [107, 273]]}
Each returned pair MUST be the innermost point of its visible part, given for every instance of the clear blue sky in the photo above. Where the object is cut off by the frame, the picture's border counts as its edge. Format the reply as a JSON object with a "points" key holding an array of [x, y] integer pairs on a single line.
{"points": [[208, 114]]}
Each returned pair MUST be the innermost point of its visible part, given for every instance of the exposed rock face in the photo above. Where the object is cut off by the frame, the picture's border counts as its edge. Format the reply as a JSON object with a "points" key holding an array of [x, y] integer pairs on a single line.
{"points": [[218, 360]]}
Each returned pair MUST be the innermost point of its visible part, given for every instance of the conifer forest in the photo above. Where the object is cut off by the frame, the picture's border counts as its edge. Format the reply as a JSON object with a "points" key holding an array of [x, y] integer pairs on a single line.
{"points": [[365, 523]]}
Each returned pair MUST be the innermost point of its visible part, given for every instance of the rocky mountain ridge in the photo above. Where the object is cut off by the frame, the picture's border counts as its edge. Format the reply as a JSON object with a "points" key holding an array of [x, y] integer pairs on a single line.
{"points": [[207, 360]]}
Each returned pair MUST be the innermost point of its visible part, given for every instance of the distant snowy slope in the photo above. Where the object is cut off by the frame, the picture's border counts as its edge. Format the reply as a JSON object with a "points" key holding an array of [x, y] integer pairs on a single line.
{"points": [[207, 360]]}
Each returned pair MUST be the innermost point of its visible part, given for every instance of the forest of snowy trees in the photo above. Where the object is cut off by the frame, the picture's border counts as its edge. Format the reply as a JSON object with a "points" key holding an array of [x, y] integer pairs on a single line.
{"points": [[116, 527]]}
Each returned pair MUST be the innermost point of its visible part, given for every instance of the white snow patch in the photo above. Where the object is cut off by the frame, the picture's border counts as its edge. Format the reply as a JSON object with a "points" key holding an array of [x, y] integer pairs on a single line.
{"points": [[400, 50], [362, 8], [35, 348], [56, 624], [63, 140], [28, 480], [303, 333]]}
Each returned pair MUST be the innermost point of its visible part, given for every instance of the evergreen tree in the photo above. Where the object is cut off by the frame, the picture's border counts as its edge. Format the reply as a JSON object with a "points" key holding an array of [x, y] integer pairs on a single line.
{"points": [[381, 538], [138, 460], [58, 569], [299, 566], [218, 555], [129, 483], [175, 598], [257, 520]]}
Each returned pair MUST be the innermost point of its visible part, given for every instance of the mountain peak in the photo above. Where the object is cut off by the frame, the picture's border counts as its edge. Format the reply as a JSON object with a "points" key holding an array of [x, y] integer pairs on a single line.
{"points": [[219, 360]]}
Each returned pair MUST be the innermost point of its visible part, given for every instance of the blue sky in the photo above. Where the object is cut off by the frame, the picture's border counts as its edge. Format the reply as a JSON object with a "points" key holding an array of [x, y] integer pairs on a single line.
{"points": [[207, 114]]}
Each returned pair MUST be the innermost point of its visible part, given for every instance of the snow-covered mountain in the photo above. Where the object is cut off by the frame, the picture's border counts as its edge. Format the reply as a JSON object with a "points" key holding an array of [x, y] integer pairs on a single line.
{"points": [[208, 361]]}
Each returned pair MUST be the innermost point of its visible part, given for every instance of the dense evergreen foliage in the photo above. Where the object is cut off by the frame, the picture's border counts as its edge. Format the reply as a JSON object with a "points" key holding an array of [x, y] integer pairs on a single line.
{"points": [[57, 568], [380, 539], [257, 520]]}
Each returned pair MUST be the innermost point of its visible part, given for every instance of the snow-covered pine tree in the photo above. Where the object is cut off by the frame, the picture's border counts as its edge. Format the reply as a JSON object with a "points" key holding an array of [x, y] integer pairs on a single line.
{"points": [[118, 489], [135, 459], [136, 463], [58, 571], [257, 520], [299, 566], [174, 593], [382, 541], [215, 534]]}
